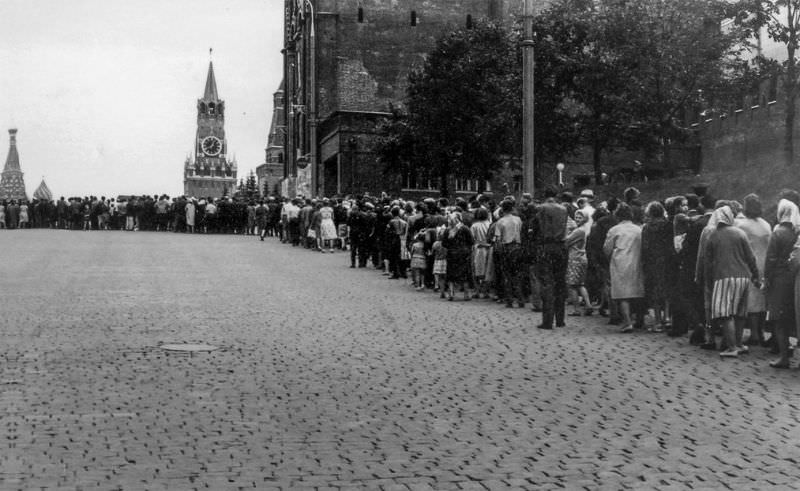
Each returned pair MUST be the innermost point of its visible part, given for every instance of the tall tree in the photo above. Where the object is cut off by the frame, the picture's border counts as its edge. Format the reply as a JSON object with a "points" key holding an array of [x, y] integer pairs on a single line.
{"points": [[251, 186], [463, 115], [672, 51], [577, 41], [638, 65], [462, 112], [463, 104], [781, 21]]}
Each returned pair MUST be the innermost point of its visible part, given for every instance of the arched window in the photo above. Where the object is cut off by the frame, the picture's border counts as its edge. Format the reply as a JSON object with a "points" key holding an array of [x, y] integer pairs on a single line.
{"points": [[360, 15], [469, 21], [211, 108], [203, 108], [413, 17]]}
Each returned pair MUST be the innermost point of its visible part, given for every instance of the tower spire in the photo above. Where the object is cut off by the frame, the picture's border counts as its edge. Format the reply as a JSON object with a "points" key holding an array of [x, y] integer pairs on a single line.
{"points": [[12, 184], [12, 160], [210, 93]]}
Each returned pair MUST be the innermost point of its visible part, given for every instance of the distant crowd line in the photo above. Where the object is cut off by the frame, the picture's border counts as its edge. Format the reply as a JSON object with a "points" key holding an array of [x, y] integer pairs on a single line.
{"points": [[146, 213]]}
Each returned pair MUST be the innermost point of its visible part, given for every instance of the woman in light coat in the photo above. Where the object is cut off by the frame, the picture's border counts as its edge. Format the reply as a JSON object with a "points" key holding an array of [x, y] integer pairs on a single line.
{"points": [[623, 247], [758, 234]]}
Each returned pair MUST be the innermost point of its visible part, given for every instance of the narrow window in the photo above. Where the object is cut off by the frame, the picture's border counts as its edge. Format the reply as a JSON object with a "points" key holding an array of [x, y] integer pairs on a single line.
{"points": [[360, 15], [413, 17], [469, 21]]}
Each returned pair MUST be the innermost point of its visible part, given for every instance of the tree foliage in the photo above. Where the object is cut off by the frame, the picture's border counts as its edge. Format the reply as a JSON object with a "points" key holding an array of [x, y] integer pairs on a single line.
{"points": [[644, 63], [609, 73], [462, 112], [251, 186], [781, 21]]}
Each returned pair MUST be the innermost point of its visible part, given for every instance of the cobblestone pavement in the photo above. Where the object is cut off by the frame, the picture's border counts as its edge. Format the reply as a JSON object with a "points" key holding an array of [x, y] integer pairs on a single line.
{"points": [[332, 378]]}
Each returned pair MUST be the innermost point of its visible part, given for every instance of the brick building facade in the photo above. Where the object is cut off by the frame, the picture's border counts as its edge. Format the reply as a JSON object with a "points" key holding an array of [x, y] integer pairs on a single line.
{"points": [[270, 173], [346, 63]]}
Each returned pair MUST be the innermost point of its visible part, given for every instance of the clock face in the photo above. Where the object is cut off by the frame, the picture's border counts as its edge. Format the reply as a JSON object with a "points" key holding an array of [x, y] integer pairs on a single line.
{"points": [[211, 145]]}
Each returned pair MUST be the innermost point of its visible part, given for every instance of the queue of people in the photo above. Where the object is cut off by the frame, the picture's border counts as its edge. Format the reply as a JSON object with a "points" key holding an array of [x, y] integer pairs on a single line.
{"points": [[688, 265]]}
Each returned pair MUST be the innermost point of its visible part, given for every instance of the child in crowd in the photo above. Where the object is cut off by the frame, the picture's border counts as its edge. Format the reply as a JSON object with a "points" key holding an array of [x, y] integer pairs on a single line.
{"points": [[439, 262], [418, 262]]}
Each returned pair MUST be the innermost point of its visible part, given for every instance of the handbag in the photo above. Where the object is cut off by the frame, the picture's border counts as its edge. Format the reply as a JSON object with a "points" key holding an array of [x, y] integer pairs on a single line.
{"points": [[405, 254]]}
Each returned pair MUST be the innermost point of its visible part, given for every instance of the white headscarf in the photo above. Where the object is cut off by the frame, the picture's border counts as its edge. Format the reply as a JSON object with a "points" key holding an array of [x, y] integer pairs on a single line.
{"points": [[724, 215], [788, 212]]}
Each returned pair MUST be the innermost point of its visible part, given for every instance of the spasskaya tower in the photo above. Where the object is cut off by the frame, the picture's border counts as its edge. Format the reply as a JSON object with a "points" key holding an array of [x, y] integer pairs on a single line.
{"points": [[211, 173]]}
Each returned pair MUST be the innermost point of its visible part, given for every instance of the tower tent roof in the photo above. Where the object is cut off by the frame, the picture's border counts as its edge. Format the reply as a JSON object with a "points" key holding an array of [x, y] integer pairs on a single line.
{"points": [[210, 93], [12, 160]]}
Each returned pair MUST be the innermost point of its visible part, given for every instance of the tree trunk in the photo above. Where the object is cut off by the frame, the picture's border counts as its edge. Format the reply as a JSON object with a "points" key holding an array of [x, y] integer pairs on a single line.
{"points": [[791, 96], [444, 190], [788, 136], [597, 150]]}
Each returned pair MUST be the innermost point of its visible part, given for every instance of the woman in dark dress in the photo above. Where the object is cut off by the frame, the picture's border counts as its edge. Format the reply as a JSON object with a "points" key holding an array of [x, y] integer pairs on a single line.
{"points": [[779, 279], [658, 263], [458, 242]]}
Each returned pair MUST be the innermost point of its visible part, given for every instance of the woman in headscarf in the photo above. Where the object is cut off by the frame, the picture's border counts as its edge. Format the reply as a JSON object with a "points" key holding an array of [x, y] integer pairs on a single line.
{"points": [[729, 267], [458, 242], [623, 246], [779, 279], [704, 285], [758, 234], [577, 264], [658, 262]]}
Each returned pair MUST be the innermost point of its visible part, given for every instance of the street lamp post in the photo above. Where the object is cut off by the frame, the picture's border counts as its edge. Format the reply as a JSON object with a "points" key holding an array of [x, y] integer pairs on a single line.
{"points": [[312, 100], [528, 172]]}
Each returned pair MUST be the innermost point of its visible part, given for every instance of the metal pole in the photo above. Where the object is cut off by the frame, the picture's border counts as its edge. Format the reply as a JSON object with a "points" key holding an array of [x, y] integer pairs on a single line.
{"points": [[528, 172], [312, 102]]}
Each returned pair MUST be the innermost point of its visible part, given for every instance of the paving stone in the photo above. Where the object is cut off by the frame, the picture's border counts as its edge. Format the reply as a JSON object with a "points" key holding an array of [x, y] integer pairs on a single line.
{"points": [[330, 377]]}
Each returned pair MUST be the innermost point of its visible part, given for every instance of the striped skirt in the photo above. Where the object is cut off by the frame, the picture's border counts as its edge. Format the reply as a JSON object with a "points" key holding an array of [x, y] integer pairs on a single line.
{"points": [[729, 298]]}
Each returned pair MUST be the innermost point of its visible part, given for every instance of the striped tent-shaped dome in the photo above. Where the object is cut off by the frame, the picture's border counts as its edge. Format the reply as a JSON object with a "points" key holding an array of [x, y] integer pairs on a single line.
{"points": [[43, 192]]}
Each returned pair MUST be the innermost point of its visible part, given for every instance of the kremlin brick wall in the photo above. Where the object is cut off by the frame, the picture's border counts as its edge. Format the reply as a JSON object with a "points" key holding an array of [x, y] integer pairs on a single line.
{"points": [[751, 135], [363, 66]]}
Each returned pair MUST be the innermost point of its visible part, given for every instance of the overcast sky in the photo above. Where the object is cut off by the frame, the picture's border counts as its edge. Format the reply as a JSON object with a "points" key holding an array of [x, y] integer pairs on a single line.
{"points": [[104, 92]]}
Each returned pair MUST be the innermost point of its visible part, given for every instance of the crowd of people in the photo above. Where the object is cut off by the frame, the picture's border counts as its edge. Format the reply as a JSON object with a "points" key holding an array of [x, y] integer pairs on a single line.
{"points": [[146, 213], [688, 264]]}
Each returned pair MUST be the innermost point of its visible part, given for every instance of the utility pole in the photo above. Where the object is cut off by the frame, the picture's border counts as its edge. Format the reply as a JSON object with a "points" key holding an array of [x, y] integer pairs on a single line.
{"points": [[528, 173]]}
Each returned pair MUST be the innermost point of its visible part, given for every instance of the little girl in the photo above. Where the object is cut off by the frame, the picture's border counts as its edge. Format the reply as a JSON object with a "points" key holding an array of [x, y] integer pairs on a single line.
{"points": [[418, 262], [440, 262]]}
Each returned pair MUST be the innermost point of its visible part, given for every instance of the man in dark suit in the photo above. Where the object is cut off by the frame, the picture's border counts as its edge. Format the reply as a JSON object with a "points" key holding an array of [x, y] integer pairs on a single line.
{"points": [[551, 228]]}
